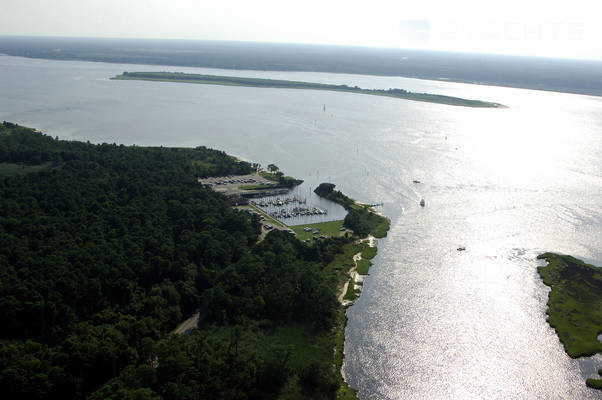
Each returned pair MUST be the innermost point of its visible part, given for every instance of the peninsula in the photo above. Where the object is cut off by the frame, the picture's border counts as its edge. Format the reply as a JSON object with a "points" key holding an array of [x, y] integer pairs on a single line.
{"points": [[127, 242], [284, 84]]}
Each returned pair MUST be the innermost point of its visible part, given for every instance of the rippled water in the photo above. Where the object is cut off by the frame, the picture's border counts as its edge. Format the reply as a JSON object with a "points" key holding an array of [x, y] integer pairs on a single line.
{"points": [[432, 322]]}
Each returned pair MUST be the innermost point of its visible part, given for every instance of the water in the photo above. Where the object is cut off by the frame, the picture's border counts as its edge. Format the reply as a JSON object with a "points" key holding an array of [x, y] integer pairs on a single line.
{"points": [[507, 184], [304, 192]]}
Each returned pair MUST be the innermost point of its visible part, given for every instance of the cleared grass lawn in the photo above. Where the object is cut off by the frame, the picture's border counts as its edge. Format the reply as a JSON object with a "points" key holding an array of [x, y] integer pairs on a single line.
{"points": [[339, 267], [363, 266], [350, 294], [268, 175], [329, 229], [369, 253]]}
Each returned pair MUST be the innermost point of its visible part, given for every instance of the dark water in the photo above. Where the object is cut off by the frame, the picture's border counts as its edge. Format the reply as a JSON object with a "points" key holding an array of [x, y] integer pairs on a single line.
{"points": [[432, 322]]}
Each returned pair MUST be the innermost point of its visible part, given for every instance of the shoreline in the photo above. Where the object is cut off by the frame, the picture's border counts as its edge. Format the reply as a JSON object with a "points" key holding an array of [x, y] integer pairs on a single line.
{"points": [[485, 82], [179, 77], [574, 306], [355, 276]]}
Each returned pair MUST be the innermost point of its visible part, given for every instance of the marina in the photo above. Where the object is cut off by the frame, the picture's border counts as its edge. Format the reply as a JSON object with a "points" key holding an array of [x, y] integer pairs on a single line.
{"points": [[296, 209], [289, 210]]}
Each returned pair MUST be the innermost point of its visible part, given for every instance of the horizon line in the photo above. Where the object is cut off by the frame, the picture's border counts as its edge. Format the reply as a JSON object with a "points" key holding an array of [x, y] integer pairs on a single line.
{"points": [[350, 46]]}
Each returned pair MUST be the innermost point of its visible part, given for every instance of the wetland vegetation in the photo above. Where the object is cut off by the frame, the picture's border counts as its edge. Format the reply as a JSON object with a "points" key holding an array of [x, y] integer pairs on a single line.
{"points": [[574, 305], [284, 84]]}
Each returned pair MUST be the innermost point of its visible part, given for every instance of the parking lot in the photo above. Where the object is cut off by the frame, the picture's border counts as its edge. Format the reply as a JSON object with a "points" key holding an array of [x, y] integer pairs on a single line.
{"points": [[231, 184]]}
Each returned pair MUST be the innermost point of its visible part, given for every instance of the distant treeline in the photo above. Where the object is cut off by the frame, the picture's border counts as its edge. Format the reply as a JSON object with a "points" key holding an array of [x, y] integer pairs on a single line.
{"points": [[106, 248], [275, 83], [574, 76]]}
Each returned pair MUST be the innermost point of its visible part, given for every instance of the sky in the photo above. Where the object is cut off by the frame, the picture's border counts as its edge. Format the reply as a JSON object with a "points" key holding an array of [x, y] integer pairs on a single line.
{"points": [[564, 29]]}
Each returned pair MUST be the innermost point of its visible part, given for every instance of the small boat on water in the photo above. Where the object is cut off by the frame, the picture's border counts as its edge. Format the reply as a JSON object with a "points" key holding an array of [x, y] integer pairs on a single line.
{"points": [[422, 203]]}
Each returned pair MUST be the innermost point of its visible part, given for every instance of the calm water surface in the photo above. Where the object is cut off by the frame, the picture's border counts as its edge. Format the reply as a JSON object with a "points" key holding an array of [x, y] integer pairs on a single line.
{"points": [[432, 322]]}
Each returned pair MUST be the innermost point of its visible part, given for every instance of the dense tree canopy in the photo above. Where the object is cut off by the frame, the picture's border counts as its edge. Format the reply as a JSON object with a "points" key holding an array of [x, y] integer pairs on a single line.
{"points": [[327, 191], [105, 248]]}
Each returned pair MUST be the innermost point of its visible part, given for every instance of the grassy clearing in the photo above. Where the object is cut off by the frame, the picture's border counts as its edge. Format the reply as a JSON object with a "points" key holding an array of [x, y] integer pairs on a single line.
{"points": [[269, 176], [369, 253], [346, 392], [329, 229], [281, 181], [574, 303], [10, 169], [350, 294], [339, 267], [363, 266]]}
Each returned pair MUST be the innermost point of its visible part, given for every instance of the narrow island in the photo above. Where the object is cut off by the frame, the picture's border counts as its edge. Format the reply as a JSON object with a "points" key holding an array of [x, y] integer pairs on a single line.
{"points": [[125, 275], [574, 305], [284, 84]]}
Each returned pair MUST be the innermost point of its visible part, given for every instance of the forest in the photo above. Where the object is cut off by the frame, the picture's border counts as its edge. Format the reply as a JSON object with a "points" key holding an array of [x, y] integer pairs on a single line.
{"points": [[106, 248]]}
